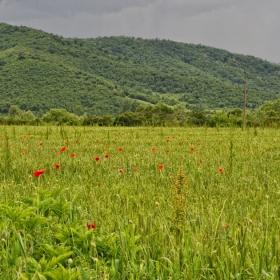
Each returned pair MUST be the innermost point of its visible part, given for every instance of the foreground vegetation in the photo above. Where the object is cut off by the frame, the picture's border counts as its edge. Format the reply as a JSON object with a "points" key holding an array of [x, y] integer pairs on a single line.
{"points": [[100, 203], [40, 71]]}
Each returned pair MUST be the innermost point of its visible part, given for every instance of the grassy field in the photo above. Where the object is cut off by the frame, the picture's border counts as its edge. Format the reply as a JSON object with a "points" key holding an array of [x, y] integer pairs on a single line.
{"points": [[100, 203]]}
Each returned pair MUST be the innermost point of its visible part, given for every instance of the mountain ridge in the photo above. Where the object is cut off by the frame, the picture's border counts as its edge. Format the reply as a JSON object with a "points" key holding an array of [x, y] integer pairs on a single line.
{"points": [[102, 74]]}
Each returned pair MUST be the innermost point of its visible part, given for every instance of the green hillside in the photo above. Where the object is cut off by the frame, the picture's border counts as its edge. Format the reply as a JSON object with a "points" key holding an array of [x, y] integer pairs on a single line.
{"points": [[39, 71]]}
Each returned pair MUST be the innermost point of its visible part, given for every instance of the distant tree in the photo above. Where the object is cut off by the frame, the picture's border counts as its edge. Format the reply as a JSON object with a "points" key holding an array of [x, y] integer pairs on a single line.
{"points": [[14, 111], [60, 116]]}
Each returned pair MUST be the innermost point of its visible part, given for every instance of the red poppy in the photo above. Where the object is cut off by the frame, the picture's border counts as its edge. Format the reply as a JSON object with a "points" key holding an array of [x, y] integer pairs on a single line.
{"points": [[57, 153], [73, 155], [167, 140], [57, 166], [3, 139], [121, 170], [63, 149], [153, 149], [96, 159], [76, 141], [135, 169], [167, 150], [106, 156], [101, 185], [160, 166], [224, 224], [120, 149], [200, 160], [192, 148], [41, 143], [25, 149], [38, 173], [91, 226], [220, 170]]}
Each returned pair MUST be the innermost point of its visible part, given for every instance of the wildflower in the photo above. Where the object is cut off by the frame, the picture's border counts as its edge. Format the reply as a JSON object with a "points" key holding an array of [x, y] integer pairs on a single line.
{"points": [[153, 149], [57, 153], [192, 148], [121, 170], [63, 149], [167, 150], [106, 156], [135, 169], [41, 143], [38, 173], [120, 149], [73, 155], [160, 166], [57, 166], [3, 139], [167, 140], [220, 170], [101, 185], [91, 226], [76, 141], [201, 161], [224, 224], [96, 159]]}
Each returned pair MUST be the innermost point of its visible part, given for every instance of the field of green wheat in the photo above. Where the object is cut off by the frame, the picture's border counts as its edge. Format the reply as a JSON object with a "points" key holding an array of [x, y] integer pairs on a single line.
{"points": [[139, 203]]}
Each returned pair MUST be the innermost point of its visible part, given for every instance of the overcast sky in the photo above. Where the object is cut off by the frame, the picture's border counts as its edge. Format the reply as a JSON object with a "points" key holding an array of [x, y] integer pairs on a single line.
{"points": [[241, 26]]}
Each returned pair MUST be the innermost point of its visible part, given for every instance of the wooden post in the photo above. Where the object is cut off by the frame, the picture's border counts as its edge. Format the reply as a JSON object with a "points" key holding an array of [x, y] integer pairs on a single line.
{"points": [[244, 101]]}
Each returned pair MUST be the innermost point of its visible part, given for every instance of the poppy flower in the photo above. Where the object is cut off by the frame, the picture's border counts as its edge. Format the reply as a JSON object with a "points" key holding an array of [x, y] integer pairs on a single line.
{"points": [[160, 166], [200, 160], [38, 173], [76, 141], [135, 169], [3, 139], [220, 170], [96, 159], [153, 149], [57, 153], [192, 148], [91, 226], [121, 170], [167, 150], [120, 149], [224, 224], [167, 140], [63, 149], [106, 156], [41, 143], [57, 166], [73, 155]]}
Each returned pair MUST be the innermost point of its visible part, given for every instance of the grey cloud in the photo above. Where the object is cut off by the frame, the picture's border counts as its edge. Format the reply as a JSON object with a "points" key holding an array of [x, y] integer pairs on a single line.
{"points": [[248, 27]]}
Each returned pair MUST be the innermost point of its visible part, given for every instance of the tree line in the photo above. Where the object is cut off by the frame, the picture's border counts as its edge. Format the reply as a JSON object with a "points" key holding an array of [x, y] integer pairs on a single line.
{"points": [[160, 114]]}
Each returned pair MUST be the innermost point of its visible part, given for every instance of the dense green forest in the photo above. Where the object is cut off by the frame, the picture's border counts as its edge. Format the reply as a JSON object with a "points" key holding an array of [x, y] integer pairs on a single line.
{"points": [[40, 71]]}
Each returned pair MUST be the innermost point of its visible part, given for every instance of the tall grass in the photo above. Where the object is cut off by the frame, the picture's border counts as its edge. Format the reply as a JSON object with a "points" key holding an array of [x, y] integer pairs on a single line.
{"points": [[113, 218]]}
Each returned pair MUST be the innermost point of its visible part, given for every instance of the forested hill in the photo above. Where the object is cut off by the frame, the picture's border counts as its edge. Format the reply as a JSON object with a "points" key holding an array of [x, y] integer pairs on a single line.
{"points": [[39, 71]]}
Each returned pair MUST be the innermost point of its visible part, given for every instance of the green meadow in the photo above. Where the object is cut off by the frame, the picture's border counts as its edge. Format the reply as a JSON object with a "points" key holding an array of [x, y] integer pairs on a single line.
{"points": [[139, 203]]}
